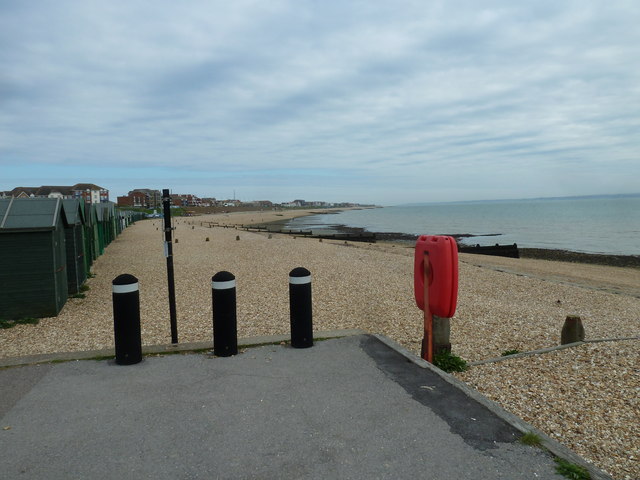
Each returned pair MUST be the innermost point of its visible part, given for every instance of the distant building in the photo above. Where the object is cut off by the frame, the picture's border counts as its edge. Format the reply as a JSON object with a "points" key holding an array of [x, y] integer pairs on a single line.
{"points": [[24, 192], [295, 203], [50, 191], [141, 198], [154, 197], [185, 200], [134, 199], [209, 202], [88, 192]]}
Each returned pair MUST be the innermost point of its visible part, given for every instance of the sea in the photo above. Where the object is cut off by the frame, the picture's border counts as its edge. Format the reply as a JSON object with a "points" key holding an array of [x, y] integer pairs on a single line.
{"points": [[603, 224]]}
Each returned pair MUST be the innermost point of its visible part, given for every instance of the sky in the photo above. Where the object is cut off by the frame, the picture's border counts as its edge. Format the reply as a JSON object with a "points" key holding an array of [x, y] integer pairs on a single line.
{"points": [[384, 102]]}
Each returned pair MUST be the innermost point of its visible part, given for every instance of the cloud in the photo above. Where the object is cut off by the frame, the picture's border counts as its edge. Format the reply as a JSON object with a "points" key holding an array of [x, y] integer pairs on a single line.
{"points": [[361, 93]]}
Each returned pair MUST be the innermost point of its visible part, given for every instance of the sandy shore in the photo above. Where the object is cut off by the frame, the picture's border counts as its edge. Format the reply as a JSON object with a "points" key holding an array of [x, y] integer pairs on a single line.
{"points": [[587, 398], [260, 217]]}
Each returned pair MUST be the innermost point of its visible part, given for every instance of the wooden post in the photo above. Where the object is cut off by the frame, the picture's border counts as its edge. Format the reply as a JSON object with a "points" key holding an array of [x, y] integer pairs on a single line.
{"points": [[572, 330], [441, 334]]}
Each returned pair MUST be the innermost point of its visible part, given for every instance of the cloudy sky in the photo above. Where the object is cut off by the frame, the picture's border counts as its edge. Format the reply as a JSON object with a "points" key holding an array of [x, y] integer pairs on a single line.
{"points": [[371, 101]]}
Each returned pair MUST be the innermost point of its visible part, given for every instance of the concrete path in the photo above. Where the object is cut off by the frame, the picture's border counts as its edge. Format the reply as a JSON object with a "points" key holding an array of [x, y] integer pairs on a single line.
{"points": [[355, 407]]}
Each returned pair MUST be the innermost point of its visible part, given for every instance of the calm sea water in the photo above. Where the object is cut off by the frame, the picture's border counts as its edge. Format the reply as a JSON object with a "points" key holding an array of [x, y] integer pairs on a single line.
{"points": [[593, 225]]}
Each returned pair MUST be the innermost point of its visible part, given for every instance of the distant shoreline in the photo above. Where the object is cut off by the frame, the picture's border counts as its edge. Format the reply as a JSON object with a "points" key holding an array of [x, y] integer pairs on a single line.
{"points": [[558, 255], [278, 220], [525, 199]]}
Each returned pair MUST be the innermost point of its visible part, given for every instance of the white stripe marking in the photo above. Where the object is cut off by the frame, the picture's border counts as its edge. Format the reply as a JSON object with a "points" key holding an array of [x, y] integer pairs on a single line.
{"points": [[223, 285], [132, 287], [300, 280]]}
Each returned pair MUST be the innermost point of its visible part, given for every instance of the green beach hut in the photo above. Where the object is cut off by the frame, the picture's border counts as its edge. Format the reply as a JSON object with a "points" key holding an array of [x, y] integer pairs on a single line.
{"points": [[33, 261], [98, 228], [91, 231], [121, 223], [110, 220], [75, 244]]}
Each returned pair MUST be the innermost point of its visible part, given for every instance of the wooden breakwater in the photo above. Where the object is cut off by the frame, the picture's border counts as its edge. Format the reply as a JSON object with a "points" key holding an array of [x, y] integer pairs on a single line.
{"points": [[350, 237], [510, 251]]}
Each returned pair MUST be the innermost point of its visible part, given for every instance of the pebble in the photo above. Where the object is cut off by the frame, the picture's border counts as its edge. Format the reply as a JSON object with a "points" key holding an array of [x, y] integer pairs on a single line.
{"points": [[586, 397]]}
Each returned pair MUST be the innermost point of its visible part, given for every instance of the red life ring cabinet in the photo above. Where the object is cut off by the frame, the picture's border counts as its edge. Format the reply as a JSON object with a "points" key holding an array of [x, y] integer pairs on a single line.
{"points": [[443, 274]]}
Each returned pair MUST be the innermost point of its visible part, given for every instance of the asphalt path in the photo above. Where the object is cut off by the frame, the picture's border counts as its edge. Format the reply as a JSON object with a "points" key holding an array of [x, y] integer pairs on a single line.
{"points": [[350, 408]]}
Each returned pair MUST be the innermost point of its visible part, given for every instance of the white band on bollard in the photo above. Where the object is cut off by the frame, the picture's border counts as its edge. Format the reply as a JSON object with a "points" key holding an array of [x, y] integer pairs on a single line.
{"points": [[300, 280], [223, 285], [132, 287]]}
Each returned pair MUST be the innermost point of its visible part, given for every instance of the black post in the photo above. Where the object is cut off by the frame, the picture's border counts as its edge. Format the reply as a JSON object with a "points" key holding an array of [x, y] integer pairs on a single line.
{"points": [[300, 308], [126, 319], [225, 325], [168, 251]]}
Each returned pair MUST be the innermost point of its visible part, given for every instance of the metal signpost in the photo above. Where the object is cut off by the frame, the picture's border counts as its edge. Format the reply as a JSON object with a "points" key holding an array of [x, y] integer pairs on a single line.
{"points": [[168, 252]]}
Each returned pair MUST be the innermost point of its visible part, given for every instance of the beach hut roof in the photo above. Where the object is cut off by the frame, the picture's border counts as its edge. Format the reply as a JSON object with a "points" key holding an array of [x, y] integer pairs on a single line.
{"points": [[108, 209], [74, 211], [99, 212], [24, 214]]}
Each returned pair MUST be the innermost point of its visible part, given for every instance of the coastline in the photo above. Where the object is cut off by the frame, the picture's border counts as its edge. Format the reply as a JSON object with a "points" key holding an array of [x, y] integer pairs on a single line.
{"points": [[624, 261], [503, 304], [261, 217], [408, 240]]}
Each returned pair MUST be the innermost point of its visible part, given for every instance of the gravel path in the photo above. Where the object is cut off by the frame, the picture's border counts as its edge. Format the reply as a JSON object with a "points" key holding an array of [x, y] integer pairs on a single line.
{"points": [[587, 397]]}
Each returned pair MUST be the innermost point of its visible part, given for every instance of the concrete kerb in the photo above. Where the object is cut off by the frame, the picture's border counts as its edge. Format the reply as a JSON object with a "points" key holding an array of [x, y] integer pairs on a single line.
{"points": [[166, 349], [547, 442]]}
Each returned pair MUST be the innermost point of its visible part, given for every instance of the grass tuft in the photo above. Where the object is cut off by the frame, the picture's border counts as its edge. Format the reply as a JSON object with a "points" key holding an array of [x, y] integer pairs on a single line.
{"points": [[571, 470], [510, 352], [449, 363], [531, 439], [84, 288], [21, 321]]}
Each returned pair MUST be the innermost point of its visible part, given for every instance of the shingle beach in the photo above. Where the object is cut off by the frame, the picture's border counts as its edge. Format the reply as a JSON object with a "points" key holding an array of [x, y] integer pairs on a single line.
{"points": [[587, 397]]}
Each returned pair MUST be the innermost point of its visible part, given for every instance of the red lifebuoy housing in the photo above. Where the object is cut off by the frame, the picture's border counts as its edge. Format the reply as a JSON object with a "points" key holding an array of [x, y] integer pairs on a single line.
{"points": [[443, 277]]}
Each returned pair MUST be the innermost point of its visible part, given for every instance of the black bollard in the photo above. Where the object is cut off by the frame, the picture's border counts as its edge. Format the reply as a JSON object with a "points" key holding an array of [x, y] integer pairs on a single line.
{"points": [[225, 325], [300, 308], [126, 319]]}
